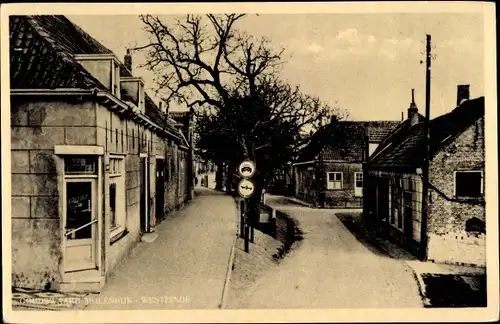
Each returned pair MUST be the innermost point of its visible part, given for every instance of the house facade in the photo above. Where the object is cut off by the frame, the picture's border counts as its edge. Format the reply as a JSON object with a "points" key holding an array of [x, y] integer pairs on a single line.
{"points": [[95, 163], [453, 229], [328, 172]]}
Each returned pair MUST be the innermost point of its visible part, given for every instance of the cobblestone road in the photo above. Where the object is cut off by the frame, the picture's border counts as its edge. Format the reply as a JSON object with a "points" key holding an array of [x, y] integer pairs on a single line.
{"points": [[185, 268]]}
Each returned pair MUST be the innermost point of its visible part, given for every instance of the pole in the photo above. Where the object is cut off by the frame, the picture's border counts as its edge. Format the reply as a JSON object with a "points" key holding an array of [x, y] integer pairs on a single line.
{"points": [[252, 226], [242, 218], [425, 170], [246, 227]]}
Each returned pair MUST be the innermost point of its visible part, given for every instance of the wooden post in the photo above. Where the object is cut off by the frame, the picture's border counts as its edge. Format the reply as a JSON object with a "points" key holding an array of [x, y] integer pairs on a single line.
{"points": [[425, 171]]}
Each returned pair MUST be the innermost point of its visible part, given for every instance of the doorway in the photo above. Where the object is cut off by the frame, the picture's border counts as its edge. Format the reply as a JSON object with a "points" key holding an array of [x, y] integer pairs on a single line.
{"points": [[160, 190], [80, 224], [144, 183]]}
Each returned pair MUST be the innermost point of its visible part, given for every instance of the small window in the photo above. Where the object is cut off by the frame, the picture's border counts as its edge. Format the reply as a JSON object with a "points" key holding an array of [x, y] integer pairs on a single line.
{"points": [[80, 165], [115, 166], [475, 225], [371, 148], [469, 184], [358, 179], [334, 180]]}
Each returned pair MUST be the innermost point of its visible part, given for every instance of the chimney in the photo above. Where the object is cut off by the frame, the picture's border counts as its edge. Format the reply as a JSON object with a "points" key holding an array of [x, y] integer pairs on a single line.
{"points": [[128, 60], [462, 93], [413, 110]]}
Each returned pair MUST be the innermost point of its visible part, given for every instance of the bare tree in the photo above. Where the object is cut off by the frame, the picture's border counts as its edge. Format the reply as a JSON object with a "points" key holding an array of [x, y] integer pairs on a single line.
{"points": [[231, 81]]}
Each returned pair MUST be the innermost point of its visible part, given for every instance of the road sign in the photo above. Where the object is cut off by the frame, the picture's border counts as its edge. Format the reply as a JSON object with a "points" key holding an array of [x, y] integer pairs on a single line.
{"points": [[246, 188], [246, 169]]}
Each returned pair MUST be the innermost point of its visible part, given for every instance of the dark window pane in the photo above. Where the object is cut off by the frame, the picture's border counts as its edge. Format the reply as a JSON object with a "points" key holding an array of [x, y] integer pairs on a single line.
{"points": [[468, 184], [79, 209], [80, 164], [112, 204]]}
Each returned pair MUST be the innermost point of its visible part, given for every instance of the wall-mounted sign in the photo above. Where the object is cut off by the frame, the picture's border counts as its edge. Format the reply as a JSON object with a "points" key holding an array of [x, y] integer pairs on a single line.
{"points": [[246, 169], [246, 188]]}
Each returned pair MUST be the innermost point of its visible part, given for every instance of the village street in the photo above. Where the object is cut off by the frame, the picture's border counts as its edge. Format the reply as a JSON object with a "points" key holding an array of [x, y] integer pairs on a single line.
{"points": [[185, 267], [332, 269]]}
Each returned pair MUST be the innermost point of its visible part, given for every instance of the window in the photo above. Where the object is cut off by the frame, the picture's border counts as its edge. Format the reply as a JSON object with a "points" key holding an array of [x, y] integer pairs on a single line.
{"points": [[112, 205], [371, 148], [80, 165], [358, 184], [334, 180], [469, 184], [117, 217]]}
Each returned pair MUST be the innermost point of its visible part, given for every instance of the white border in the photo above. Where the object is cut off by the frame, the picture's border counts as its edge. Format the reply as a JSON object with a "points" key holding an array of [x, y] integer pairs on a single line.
{"points": [[252, 316]]}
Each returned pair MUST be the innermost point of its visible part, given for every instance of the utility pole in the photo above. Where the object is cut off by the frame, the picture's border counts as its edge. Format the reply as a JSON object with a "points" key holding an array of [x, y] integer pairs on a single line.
{"points": [[425, 170]]}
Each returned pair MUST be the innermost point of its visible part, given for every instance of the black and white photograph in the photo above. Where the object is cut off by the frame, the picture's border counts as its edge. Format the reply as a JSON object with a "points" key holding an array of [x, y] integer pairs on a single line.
{"points": [[249, 162]]}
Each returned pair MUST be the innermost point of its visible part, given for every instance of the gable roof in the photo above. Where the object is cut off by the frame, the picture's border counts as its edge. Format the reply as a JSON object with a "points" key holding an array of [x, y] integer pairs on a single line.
{"points": [[404, 150], [344, 140], [41, 57], [40, 54]]}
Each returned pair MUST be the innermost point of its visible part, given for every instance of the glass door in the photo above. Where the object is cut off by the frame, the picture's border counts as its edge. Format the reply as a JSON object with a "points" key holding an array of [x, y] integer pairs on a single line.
{"points": [[80, 224]]}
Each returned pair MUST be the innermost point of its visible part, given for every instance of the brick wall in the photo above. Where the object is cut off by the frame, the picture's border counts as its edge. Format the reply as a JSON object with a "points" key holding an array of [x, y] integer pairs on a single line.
{"points": [[36, 234], [345, 197], [448, 241]]}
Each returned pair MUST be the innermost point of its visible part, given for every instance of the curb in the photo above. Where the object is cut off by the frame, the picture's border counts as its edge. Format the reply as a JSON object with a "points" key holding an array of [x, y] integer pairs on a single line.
{"points": [[421, 287], [230, 264]]}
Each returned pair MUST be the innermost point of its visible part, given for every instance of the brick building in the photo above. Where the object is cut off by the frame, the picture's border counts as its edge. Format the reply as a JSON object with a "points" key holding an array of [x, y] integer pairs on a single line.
{"points": [[95, 162], [328, 172], [455, 231]]}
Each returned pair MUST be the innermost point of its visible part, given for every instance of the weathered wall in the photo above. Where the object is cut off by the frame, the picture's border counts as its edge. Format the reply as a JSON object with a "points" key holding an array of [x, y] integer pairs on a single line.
{"points": [[99, 69], [448, 240], [36, 127], [115, 135]]}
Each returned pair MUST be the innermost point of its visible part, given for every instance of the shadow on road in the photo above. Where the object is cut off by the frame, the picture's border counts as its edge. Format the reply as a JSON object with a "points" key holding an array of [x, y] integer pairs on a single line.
{"points": [[372, 239]]}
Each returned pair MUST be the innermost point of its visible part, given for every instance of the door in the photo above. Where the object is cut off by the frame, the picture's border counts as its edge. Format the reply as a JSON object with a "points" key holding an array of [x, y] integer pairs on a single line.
{"points": [[358, 184], [160, 189], [383, 199], [144, 195], [80, 225]]}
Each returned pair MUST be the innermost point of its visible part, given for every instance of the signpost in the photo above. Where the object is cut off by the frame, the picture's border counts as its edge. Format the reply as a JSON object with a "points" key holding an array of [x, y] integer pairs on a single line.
{"points": [[246, 189]]}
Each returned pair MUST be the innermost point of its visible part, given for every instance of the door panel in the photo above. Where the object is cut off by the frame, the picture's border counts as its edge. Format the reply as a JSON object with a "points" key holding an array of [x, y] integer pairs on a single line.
{"points": [[144, 195], [80, 225]]}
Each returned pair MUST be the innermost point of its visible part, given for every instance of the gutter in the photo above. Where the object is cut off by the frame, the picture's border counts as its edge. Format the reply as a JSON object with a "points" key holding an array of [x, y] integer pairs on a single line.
{"points": [[110, 101]]}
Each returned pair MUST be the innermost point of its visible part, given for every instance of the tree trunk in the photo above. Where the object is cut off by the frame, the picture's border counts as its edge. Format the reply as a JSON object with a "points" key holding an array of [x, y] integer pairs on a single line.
{"points": [[219, 173], [230, 177]]}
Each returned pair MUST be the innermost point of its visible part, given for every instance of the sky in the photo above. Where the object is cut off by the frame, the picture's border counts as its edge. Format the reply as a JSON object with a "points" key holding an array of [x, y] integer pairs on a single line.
{"points": [[364, 63]]}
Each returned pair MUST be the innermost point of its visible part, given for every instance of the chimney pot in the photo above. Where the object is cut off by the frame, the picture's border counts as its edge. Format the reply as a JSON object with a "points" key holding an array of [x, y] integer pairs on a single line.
{"points": [[413, 110], [463, 93], [128, 60]]}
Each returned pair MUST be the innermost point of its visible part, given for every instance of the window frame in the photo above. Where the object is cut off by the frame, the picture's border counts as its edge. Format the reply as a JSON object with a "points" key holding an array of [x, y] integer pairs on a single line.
{"points": [[362, 183], [481, 188], [117, 179], [328, 181]]}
